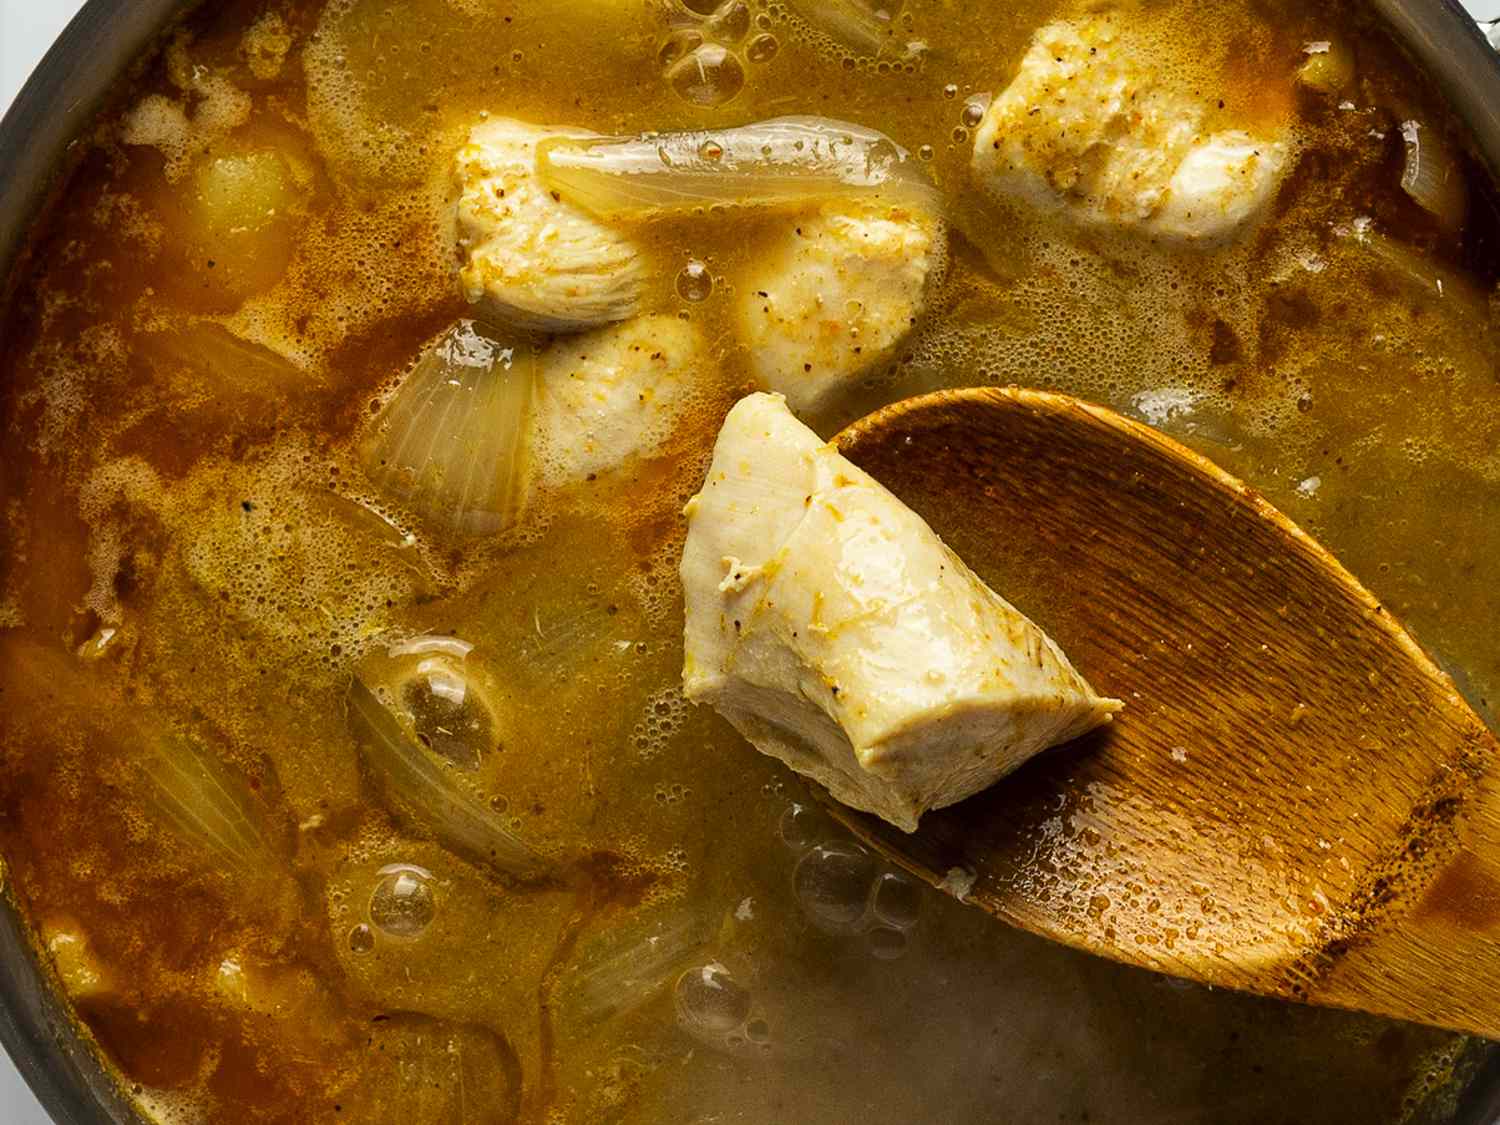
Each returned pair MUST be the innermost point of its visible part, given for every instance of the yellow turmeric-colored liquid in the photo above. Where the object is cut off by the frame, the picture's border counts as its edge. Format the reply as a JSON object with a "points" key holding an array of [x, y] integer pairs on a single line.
{"points": [[252, 247]]}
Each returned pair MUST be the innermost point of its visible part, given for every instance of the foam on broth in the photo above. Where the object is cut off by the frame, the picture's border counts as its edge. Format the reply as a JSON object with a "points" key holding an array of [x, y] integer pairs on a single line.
{"points": [[195, 554]]}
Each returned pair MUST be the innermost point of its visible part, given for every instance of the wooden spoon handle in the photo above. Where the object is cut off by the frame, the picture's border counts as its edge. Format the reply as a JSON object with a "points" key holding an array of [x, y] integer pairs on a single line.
{"points": [[1296, 795]]}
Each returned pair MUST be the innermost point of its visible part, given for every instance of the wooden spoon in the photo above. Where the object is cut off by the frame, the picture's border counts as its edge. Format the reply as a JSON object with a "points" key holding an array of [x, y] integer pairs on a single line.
{"points": [[1296, 801]]}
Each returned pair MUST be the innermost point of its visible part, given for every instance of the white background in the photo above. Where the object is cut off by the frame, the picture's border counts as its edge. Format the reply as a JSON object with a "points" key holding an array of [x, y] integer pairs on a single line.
{"points": [[27, 28]]}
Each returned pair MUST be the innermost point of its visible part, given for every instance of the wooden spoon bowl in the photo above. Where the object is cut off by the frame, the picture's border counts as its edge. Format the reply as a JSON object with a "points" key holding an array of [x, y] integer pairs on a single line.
{"points": [[1296, 801]]}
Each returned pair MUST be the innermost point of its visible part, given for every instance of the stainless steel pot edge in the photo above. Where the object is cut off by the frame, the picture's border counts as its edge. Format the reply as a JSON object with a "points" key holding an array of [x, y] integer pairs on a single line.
{"points": [[1451, 48], [57, 102], [62, 1068], [53, 108], [76, 74]]}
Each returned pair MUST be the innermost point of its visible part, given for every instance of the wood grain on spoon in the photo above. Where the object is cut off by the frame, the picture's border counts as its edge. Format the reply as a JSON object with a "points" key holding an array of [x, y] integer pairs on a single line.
{"points": [[1296, 800]]}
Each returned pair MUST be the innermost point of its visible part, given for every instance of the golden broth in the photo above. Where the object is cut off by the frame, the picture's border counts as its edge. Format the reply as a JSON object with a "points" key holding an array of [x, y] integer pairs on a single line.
{"points": [[252, 248]]}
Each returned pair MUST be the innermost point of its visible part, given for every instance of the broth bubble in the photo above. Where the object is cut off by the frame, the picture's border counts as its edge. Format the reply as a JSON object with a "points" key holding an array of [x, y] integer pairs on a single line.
{"points": [[695, 283], [800, 827], [898, 900], [832, 882], [361, 939], [709, 1000], [731, 22], [707, 76], [762, 48], [678, 44], [403, 904], [448, 719]]}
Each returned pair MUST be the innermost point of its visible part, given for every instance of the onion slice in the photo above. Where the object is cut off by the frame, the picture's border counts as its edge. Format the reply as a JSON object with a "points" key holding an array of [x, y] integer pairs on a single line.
{"points": [[1432, 177], [220, 361], [1422, 275], [627, 965], [422, 1071], [866, 27], [781, 162], [422, 790], [204, 802], [452, 441]]}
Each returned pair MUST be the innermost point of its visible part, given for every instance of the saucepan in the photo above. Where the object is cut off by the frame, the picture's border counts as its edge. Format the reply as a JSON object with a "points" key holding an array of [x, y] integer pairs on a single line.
{"points": [[36, 137]]}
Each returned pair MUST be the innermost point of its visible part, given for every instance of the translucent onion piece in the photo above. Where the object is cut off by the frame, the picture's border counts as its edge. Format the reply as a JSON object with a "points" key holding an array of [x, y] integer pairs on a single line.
{"points": [[421, 788], [869, 28], [624, 967], [430, 1072], [217, 359], [562, 635], [456, 647], [182, 783], [205, 802], [1424, 276], [451, 443], [1432, 176], [783, 161], [363, 519]]}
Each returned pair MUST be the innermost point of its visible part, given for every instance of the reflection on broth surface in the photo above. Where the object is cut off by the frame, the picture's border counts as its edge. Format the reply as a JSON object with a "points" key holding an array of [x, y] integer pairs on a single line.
{"points": [[347, 774]]}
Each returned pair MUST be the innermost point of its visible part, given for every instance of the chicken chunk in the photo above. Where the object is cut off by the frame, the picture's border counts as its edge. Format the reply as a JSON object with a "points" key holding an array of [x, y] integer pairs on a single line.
{"points": [[1090, 129], [536, 260], [831, 626], [836, 296], [615, 393]]}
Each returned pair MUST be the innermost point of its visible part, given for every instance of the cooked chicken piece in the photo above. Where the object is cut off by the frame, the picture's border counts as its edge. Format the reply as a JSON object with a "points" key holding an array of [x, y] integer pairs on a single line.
{"points": [[615, 393], [836, 296], [534, 259], [833, 628], [1089, 128]]}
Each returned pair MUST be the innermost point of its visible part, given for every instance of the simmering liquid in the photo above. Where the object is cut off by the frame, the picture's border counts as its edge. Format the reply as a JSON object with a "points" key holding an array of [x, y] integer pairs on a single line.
{"points": [[257, 921]]}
